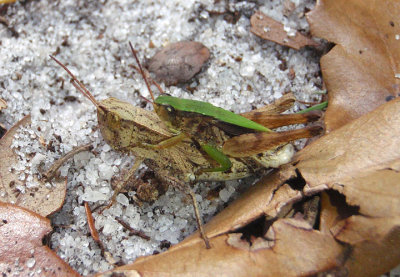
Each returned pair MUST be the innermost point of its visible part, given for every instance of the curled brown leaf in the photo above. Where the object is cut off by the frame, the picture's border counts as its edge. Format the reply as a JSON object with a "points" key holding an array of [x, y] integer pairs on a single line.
{"points": [[361, 160], [21, 250], [270, 29], [41, 199], [362, 70]]}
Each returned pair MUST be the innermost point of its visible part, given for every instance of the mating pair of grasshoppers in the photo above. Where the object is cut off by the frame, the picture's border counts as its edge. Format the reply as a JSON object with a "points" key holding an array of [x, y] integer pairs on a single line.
{"points": [[187, 141]]}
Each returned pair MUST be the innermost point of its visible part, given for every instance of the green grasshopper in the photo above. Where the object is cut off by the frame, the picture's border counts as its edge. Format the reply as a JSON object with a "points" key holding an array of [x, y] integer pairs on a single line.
{"points": [[129, 129], [243, 137]]}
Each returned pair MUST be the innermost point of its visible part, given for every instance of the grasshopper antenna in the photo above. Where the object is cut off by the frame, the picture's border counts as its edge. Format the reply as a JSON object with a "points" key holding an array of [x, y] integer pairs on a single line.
{"points": [[77, 84], [152, 81], [147, 100], [141, 71]]}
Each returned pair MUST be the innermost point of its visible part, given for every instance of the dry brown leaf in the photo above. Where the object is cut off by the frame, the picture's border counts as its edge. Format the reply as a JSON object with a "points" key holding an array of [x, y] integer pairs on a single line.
{"points": [[21, 249], [360, 71], [41, 199], [178, 62], [375, 244], [269, 29], [329, 215], [361, 160], [360, 150], [231, 256], [3, 104]]}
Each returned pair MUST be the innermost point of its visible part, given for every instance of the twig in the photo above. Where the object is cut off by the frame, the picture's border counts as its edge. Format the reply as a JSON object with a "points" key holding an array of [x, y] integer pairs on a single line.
{"points": [[57, 164], [132, 232]]}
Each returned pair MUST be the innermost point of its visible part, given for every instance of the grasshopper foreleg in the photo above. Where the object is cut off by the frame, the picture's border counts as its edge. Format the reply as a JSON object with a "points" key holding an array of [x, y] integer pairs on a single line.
{"points": [[167, 142], [219, 157], [121, 184]]}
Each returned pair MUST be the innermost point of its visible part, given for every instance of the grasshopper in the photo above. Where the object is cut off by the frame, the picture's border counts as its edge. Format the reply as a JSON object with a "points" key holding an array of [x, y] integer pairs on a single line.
{"points": [[129, 129], [242, 137]]}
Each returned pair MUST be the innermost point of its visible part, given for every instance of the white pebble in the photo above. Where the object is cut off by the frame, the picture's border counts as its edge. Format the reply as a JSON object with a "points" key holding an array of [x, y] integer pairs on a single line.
{"points": [[30, 262], [122, 199], [247, 71], [106, 172], [93, 196], [37, 159], [110, 227], [224, 195]]}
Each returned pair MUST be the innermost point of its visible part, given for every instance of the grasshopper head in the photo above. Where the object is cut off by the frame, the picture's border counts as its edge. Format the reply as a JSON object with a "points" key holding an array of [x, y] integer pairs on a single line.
{"points": [[125, 126], [115, 122], [167, 114]]}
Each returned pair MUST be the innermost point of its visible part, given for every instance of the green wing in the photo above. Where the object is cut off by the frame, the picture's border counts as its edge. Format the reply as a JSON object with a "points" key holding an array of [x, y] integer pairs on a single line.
{"points": [[208, 109]]}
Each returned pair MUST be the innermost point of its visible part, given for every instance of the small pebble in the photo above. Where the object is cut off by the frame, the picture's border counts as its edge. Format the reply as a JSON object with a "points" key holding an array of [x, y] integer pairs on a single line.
{"points": [[178, 62], [30, 262]]}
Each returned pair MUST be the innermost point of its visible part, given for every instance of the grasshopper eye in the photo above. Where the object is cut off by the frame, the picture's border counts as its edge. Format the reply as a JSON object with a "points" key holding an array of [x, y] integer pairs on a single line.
{"points": [[116, 118]]}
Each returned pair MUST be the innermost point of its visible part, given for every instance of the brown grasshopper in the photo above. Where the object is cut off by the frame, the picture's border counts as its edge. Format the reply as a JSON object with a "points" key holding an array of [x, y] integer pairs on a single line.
{"points": [[129, 129]]}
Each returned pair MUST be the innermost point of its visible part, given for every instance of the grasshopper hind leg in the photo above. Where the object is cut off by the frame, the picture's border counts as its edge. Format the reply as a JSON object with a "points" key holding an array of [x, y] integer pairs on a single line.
{"points": [[122, 184], [198, 218], [185, 188]]}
